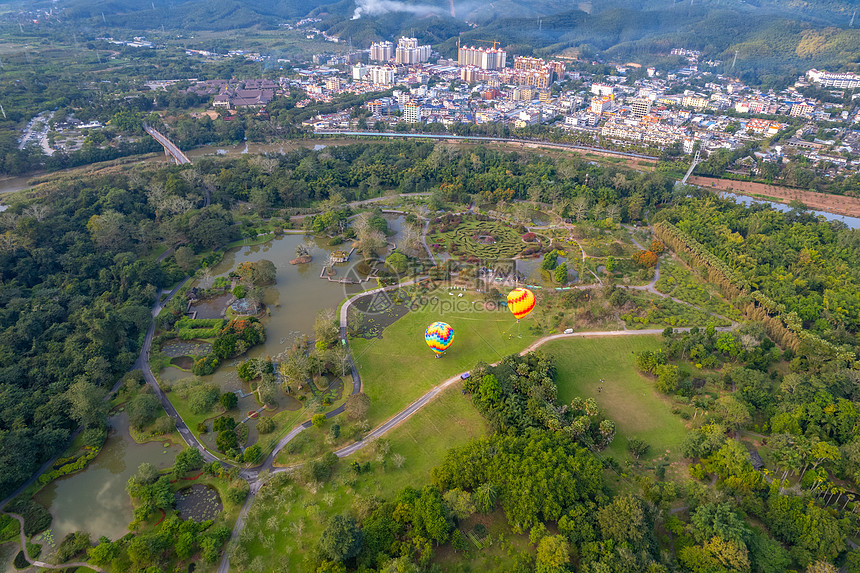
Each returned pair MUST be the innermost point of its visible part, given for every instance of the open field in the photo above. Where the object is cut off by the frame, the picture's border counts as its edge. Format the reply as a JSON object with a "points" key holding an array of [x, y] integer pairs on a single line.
{"points": [[627, 397], [293, 516], [399, 367]]}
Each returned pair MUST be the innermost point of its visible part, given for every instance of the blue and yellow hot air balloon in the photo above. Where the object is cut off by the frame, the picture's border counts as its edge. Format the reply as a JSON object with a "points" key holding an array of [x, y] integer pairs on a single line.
{"points": [[521, 301], [439, 337]]}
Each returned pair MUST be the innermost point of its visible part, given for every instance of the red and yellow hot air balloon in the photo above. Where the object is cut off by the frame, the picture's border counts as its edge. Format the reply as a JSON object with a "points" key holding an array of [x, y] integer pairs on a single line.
{"points": [[439, 337], [521, 301]]}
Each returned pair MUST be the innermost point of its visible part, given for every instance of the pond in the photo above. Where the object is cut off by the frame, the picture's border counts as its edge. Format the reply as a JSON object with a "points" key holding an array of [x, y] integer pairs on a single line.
{"points": [[198, 502], [95, 499], [292, 304]]}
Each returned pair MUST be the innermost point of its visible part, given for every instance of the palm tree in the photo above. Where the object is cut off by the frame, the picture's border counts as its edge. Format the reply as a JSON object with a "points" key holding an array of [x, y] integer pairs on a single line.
{"points": [[485, 496]]}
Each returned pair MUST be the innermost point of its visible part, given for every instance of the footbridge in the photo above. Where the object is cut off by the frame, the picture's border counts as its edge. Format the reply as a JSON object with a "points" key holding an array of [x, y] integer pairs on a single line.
{"points": [[170, 148]]}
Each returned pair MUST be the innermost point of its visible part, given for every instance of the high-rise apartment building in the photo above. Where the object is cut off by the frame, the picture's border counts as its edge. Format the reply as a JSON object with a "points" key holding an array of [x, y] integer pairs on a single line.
{"points": [[381, 51], [484, 58], [412, 112], [383, 75], [409, 52]]}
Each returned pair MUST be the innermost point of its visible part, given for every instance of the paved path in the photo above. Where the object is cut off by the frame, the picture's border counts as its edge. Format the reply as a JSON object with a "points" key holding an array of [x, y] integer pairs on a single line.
{"points": [[70, 564]]}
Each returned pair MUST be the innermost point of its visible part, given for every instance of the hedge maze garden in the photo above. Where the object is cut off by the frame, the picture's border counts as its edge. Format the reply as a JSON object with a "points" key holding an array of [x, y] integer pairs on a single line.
{"points": [[483, 239]]}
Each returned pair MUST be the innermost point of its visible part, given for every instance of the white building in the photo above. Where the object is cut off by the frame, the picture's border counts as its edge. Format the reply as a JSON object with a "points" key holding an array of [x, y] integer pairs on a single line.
{"points": [[383, 75], [359, 72], [833, 80], [484, 58], [409, 52], [381, 51], [412, 112]]}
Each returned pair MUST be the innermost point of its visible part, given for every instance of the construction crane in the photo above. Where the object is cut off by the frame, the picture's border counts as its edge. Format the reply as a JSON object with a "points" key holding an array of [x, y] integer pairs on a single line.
{"points": [[495, 43]]}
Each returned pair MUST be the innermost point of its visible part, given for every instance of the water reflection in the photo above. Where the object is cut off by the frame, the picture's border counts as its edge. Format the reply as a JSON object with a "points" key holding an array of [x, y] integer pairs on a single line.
{"points": [[95, 499]]}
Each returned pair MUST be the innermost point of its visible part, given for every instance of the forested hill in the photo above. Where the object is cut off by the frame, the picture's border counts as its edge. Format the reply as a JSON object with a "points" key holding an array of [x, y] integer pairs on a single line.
{"points": [[788, 37]]}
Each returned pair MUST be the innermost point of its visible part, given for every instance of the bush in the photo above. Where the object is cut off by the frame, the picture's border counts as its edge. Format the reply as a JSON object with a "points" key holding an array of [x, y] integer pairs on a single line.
{"points": [[20, 561], [202, 398], [237, 492], [164, 425], [72, 545], [240, 291], [253, 453], [205, 366], [142, 410], [94, 438], [266, 425], [357, 406], [229, 400], [36, 517]]}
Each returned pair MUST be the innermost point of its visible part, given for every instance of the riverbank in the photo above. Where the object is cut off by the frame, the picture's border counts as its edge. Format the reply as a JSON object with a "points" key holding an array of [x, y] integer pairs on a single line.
{"points": [[835, 204]]}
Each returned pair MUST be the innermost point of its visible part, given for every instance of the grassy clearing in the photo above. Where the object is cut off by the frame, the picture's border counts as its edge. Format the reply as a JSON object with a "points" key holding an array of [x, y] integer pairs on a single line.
{"points": [[292, 517], [652, 311], [398, 367], [681, 283], [627, 397]]}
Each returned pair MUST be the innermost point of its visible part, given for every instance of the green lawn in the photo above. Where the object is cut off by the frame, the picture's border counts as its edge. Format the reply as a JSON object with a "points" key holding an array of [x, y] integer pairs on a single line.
{"points": [[399, 367], [285, 522], [627, 397]]}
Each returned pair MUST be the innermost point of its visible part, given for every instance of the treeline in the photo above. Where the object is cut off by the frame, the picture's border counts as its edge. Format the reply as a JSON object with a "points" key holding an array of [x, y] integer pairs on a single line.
{"points": [[354, 172]]}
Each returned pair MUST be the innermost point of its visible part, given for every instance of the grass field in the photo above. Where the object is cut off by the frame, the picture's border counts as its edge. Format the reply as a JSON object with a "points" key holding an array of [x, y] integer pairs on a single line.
{"points": [[627, 397], [399, 367], [292, 518]]}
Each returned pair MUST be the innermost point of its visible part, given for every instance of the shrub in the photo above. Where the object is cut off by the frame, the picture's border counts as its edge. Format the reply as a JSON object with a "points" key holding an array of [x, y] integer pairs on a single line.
{"points": [[72, 545], [229, 400], [36, 517], [202, 398], [205, 366], [164, 425], [266, 425], [239, 291]]}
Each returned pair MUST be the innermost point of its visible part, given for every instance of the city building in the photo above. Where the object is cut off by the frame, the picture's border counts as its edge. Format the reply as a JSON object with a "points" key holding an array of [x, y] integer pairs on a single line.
{"points": [[602, 104], [381, 51], [409, 52], [602, 89], [640, 107], [360, 72], [802, 109], [412, 112], [484, 58], [521, 93], [834, 80], [383, 75], [695, 102], [332, 84]]}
